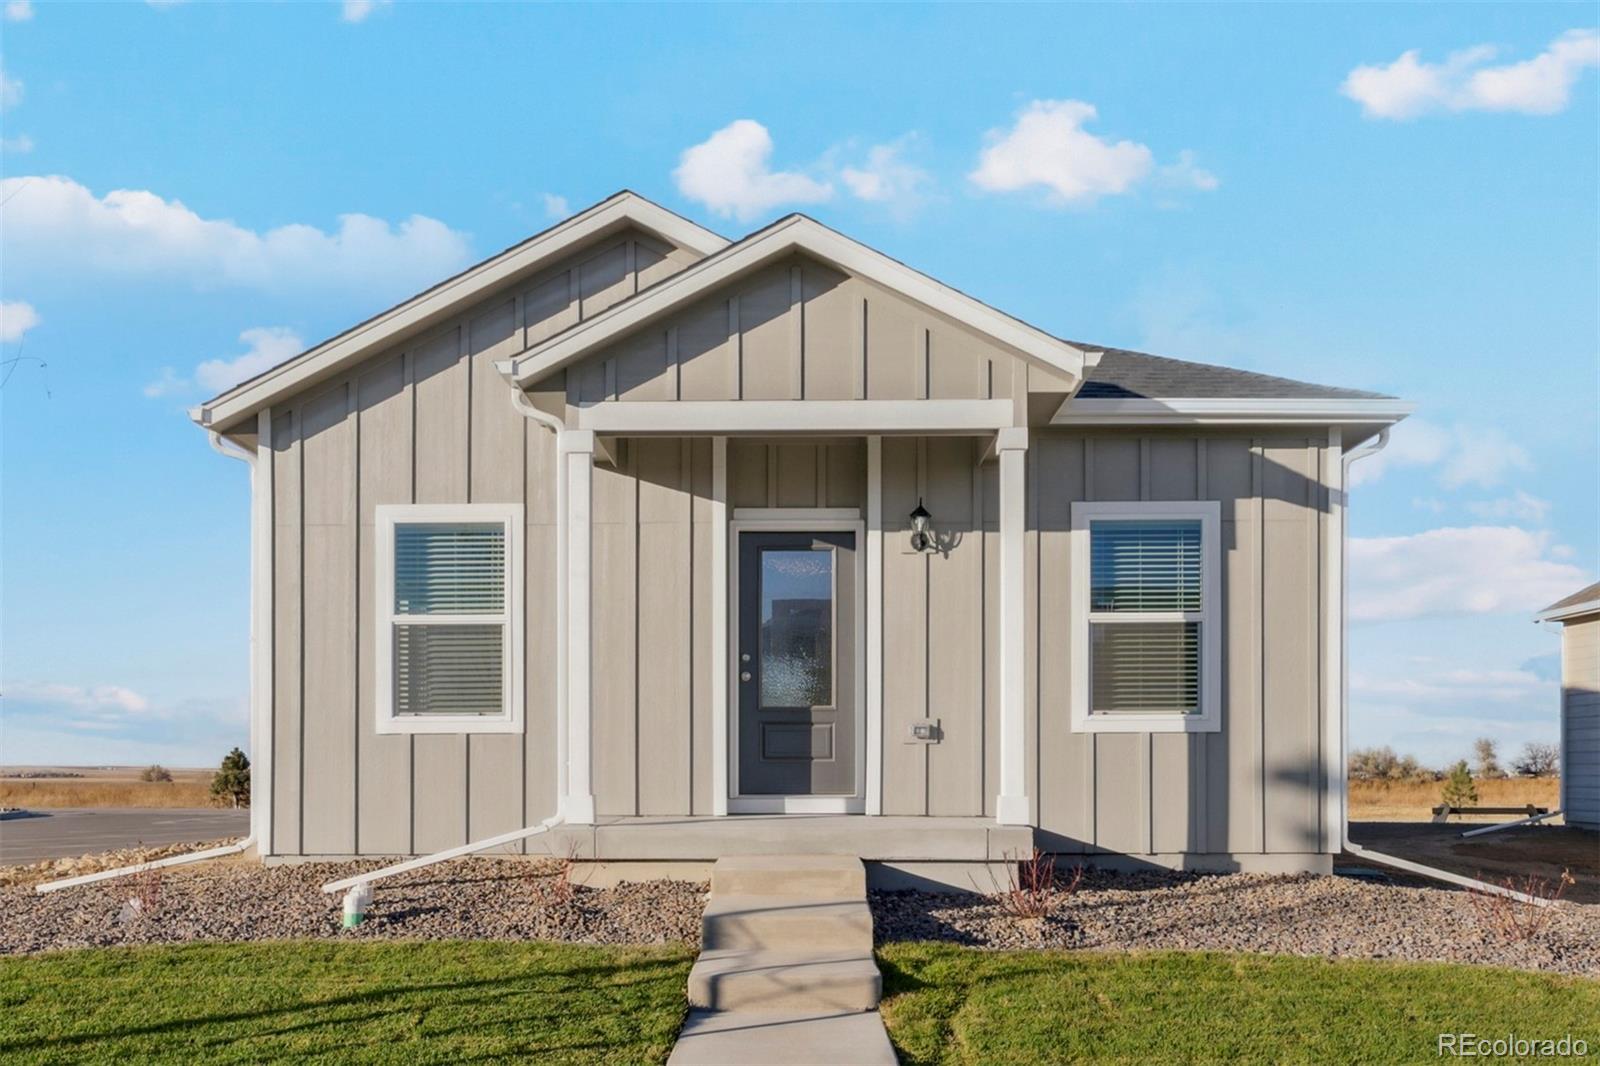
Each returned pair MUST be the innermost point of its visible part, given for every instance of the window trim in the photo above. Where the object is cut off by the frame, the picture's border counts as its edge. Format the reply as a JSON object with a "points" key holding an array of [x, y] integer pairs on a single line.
{"points": [[387, 517], [1208, 719]]}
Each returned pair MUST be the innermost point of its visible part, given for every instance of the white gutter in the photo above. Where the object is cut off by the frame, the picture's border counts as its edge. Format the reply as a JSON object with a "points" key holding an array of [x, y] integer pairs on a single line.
{"points": [[124, 871], [445, 855], [1350, 846]]}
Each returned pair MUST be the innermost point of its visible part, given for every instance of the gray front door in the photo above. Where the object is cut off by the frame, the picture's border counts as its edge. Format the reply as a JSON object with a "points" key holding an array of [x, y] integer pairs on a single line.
{"points": [[796, 658]]}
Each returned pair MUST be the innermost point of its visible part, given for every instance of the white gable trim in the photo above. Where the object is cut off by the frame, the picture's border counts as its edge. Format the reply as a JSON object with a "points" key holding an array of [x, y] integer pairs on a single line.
{"points": [[444, 299], [1222, 412], [795, 233]]}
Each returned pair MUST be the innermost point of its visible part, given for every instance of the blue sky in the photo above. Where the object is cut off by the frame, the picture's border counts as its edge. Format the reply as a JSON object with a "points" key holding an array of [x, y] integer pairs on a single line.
{"points": [[1400, 198]]}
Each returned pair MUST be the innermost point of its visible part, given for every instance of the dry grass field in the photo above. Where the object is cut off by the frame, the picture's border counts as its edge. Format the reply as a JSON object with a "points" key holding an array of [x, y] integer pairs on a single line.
{"points": [[1413, 801], [102, 786]]}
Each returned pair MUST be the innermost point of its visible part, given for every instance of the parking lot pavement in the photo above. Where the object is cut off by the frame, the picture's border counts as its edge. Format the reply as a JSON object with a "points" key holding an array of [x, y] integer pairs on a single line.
{"points": [[56, 834]]}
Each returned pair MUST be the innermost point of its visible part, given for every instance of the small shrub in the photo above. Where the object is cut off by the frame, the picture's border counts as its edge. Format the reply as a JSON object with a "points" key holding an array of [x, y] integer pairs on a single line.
{"points": [[1034, 887], [232, 782], [1459, 791], [156, 772], [1515, 920]]}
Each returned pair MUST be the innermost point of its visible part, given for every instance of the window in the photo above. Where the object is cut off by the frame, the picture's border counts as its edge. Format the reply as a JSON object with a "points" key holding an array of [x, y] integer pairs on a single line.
{"points": [[449, 614], [1146, 645]]}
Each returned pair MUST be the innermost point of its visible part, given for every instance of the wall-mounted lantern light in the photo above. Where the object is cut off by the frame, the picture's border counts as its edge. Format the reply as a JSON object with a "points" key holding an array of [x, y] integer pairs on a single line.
{"points": [[921, 528]]}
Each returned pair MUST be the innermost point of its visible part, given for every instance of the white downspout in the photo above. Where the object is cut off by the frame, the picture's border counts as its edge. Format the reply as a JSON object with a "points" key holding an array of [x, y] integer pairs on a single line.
{"points": [[1350, 846]]}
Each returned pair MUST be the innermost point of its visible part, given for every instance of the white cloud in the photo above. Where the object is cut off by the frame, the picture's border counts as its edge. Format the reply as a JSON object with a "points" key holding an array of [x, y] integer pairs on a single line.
{"points": [[266, 347], [1460, 454], [358, 10], [21, 144], [1455, 687], [555, 206], [1409, 87], [887, 178], [1048, 147], [16, 318], [19, 10], [10, 90], [1186, 173], [1456, 570], [730, 172], [97, 698], [52, 223], [1520, 505]]}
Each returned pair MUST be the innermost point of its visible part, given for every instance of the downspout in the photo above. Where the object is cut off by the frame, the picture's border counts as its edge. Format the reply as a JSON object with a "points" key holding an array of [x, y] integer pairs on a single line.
{"points": [[1351, 847]]}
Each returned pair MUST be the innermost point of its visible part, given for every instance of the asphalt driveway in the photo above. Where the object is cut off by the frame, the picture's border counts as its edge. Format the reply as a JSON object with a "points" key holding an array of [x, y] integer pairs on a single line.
{"points": [[61, 833]]}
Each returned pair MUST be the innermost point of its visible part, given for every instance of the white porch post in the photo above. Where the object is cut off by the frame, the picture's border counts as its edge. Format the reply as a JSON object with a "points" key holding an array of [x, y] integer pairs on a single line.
{"points": [[577, 461], [1011, 806]]}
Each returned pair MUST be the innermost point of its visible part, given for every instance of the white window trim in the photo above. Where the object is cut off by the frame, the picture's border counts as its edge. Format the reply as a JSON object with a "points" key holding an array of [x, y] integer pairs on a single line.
{"points": [[384, 618], [1209, 717]]}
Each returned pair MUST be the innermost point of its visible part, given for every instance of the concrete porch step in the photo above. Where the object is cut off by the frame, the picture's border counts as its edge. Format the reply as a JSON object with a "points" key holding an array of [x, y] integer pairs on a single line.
{"points": [[838, 877], [782, 1038], [784, 980], [786, 923]]}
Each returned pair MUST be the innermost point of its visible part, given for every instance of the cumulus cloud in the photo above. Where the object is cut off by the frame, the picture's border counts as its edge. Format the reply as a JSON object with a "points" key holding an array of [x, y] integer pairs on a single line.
{"points": [[19, 10], [1454, 687], [1460, 455], [887, 178], [21, 144], [556, 207], [265, 347], [1456, 571], [1048, 147], [731, 173], [358, 10], [1521, 506], [78, 697], [54, 224], [1408, 87], [16, 319], [1187, 173], [10, 90]]}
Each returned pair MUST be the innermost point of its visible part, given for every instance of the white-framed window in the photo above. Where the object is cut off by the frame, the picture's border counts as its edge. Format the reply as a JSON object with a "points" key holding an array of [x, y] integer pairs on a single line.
{"points": [[449, 618], [1146, 631]]}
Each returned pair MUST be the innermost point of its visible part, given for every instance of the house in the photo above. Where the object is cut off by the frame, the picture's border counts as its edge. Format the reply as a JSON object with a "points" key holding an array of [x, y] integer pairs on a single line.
{"points": [[780, 545], [1579, 615]]}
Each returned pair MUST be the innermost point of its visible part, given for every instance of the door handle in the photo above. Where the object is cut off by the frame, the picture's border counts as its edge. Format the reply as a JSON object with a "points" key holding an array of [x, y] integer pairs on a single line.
{"points": [[745, 676], [744, 657]]}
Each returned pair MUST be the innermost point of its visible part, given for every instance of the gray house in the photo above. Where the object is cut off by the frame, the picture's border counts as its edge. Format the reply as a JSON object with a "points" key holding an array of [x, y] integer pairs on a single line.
{"points": [[1579, 615], [777, 544]]}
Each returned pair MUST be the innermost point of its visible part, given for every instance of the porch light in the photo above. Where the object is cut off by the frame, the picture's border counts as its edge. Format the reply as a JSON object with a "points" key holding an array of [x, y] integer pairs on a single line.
{"points": [[921, 528]]}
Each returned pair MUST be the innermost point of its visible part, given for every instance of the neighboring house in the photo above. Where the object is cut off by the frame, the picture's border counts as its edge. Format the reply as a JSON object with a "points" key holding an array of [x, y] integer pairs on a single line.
{"points": [[619, 524], [1579, 615]]}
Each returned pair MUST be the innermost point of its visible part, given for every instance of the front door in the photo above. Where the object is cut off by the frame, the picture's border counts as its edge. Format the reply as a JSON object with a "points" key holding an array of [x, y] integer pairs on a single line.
{"points": [[796, 664]]}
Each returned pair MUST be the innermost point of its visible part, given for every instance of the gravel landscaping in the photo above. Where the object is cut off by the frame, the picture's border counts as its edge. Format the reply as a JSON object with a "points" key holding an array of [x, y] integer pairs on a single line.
{"points": [[1334, 917], [469, 899]]}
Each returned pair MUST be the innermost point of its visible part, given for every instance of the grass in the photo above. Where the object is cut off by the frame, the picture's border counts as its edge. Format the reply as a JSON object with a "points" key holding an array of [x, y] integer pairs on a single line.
{"points": [[948, 1004], [107, 786], [350, 1002], [1413, 801]]}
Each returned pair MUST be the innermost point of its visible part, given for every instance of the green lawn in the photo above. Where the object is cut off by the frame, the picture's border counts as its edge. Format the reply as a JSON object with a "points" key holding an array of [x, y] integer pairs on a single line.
{"points": [[365, 1002], [946, 1004]]}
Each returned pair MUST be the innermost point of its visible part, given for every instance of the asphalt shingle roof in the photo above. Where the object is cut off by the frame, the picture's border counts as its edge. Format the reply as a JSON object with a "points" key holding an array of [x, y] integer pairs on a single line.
{"points": [[1127, 375], [1583, 595]]}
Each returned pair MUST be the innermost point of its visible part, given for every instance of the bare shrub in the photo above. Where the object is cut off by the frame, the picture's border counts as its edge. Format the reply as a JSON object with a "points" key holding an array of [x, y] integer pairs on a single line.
{"points": [[1538, 760], [1034, 886], [144, 897], [1514, 920], [155, 772]]}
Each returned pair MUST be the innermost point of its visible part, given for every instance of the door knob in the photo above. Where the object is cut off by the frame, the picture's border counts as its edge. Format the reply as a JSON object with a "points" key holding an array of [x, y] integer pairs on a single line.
{"points": [[745, 676], [745, 657]]}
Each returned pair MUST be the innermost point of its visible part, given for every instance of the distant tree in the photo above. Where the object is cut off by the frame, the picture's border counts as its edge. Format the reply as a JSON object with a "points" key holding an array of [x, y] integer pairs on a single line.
{"points": [[232, 782], [1488, 759], [1382, 764], [1538, 760], [156, 772], [1459, 791]]}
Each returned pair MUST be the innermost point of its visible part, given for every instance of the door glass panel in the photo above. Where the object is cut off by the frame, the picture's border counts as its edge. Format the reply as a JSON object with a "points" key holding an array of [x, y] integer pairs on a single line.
{"points": [[796, 665]]}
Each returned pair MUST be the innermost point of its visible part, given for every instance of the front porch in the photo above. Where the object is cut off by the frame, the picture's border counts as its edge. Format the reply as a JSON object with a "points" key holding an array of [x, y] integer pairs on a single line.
{"points": [[891, 839]]}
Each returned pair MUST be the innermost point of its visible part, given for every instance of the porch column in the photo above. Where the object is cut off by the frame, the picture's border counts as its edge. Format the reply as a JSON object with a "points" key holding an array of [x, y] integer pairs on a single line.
{"points": [[1011, 806], [577, 461]]}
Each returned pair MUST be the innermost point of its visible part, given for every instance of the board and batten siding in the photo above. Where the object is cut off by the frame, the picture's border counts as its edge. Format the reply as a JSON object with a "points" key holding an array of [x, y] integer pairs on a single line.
{"points": [[796, 330], [430, 421], [1580, 721]]}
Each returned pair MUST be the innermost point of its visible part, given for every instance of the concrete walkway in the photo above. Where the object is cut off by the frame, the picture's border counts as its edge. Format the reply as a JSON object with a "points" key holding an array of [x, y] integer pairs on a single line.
{"points": [[786, 974]]}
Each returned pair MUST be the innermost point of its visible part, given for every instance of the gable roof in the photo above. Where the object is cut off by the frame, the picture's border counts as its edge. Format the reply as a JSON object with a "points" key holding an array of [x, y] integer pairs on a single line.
{"points": [[1127, 375], [1584, 601], [793, 233], [337, 353]]}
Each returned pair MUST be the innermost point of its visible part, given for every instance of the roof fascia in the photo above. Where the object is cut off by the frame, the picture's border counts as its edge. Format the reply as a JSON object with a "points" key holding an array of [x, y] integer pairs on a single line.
{"points": [[1571, 610], [792, 234], [1225, 411], [435, 304]]}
